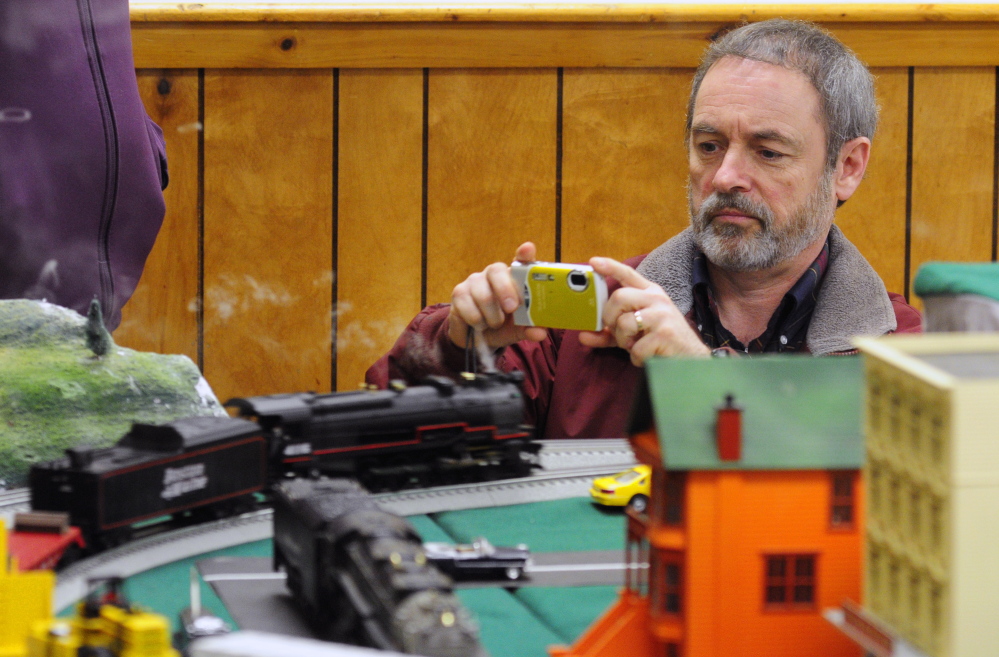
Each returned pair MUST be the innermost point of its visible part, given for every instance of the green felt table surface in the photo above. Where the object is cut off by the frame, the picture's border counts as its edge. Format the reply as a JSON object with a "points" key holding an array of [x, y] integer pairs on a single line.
{"points": [[514, 623]]}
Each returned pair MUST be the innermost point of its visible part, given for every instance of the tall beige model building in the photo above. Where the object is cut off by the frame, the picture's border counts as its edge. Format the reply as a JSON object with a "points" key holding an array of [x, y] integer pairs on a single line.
{"points": [[932, 473]]}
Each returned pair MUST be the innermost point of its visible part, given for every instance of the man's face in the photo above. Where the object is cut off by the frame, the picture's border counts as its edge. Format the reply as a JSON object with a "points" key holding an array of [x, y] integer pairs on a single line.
{"points": [[759, 191]]}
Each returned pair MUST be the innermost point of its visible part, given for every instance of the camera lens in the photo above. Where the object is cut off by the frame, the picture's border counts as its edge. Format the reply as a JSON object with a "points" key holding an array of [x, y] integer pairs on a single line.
{"points": [[577, 281]]}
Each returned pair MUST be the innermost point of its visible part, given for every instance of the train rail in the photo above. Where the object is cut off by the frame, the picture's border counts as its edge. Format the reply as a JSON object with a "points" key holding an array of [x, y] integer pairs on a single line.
{"points": [[569, 466], [14, 501], [555, 455]]}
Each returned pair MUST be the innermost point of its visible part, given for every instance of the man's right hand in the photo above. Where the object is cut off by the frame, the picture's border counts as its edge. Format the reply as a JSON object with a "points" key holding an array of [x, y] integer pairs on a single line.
{"points": [[486, 301]]}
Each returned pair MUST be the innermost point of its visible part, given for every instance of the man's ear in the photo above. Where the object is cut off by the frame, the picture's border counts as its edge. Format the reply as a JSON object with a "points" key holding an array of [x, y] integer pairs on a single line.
{"points": [[850, 166]]}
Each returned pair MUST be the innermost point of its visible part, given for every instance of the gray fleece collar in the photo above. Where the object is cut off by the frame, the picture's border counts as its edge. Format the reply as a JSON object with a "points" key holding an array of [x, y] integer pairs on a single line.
{"points": [[852, 300]]}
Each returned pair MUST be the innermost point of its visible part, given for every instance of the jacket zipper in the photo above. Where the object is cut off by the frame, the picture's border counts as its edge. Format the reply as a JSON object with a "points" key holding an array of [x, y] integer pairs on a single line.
{"points": [[111, 157]]}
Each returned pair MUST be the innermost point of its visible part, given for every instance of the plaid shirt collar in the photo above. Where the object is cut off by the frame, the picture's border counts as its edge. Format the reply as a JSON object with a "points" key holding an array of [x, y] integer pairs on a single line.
{"points": [[788, 326]]}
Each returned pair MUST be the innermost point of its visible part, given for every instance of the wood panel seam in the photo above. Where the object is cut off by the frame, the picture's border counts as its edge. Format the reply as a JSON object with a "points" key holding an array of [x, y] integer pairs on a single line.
{"points": [[425, 185], [908, 182], [558, 163], [201, 220], [335, 232], [995, 171]]}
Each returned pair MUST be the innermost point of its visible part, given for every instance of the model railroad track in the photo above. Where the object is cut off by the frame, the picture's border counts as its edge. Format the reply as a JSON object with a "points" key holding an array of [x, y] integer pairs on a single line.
{"points": [[562, 454], [14, 499], [570, 467], [556, 455]]}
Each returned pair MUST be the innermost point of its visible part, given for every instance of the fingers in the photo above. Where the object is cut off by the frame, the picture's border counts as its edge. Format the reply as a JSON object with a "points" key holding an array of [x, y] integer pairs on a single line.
{"points": [[597, 339], [668, 339], [526, 252], [624, 274], [532, 333], [626, 300], [628, 330], [502, 288], [486, 301], [662, 330], [457, 327], [493, 293]]}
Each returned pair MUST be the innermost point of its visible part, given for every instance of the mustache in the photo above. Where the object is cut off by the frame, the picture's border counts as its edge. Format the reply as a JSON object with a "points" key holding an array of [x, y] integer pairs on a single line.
{"points": [[719, 201]]}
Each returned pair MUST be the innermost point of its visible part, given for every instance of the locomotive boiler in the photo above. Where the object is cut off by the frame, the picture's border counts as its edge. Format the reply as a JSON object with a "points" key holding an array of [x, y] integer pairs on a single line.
{"points": [[441, 432], [360, 574]]}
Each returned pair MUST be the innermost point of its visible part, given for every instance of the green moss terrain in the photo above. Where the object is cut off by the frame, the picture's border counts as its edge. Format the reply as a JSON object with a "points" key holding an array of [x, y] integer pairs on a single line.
{"points": [[54, 393]]}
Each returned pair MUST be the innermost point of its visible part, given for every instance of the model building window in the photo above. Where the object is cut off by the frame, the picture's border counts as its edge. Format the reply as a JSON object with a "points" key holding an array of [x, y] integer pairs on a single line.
{"points": [[790, 581], [915, 427], [672, 503], [841, 507], [874, 492], [672, 588], [667, 592]]}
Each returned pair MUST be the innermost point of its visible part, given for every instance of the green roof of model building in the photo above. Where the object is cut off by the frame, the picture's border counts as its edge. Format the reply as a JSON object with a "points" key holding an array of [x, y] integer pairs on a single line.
{"points": [[936, 278], [799, 413]]}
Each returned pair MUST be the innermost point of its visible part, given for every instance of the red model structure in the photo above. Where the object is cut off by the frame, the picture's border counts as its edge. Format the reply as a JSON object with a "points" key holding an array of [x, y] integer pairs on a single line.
{"points": [[756, 515], [40, 540]]}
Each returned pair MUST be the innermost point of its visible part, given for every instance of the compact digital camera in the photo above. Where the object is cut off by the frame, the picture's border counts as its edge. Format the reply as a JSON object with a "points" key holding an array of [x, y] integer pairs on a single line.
{"points": [[559, 295]]}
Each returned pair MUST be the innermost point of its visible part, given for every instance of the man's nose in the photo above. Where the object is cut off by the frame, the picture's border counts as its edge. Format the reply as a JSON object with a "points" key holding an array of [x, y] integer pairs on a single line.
{"points": [[732, 175]]}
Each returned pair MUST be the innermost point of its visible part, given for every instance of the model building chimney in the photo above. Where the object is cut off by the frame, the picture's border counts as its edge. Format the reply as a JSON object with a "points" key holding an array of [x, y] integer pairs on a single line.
{"points": [[729, 430]]}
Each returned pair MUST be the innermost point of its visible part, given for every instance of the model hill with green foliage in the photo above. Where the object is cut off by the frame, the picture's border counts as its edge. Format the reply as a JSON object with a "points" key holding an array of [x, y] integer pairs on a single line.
{"points": [[55, 392]]}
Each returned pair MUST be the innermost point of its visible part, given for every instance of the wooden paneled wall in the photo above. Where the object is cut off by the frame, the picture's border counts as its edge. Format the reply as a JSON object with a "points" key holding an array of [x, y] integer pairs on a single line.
{"points": [[333, 173]]}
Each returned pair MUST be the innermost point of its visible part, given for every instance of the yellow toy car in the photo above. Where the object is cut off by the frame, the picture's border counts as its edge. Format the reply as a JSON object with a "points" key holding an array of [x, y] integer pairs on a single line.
{"points": [[630, 488]]}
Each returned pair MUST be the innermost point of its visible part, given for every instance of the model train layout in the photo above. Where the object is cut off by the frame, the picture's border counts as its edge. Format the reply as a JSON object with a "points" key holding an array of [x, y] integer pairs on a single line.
{"points": [[206, 467]]}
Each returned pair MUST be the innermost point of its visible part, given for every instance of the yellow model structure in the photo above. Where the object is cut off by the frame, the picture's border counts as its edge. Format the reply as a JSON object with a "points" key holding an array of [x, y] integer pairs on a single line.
{"points": [[109, 625], [933, 492], [24, 599]]}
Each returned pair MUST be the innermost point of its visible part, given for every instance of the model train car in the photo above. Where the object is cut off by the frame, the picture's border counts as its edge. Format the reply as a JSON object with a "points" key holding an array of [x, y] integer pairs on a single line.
{"points": [[154, 471], [442, 431], [360, 574], [210, 466]]}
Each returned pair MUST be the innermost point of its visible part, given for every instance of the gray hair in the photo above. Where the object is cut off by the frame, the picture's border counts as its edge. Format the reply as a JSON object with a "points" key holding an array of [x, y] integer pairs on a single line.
{"points": [[844, 85]]}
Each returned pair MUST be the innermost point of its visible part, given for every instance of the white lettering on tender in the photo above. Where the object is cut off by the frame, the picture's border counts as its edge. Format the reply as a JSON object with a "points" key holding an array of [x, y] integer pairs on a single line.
{"points": [[298, 449], [178, 481]]}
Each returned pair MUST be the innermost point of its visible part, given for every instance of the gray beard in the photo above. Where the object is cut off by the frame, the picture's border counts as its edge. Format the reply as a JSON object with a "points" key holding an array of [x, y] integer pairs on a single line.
{"points": [[733, 248]]}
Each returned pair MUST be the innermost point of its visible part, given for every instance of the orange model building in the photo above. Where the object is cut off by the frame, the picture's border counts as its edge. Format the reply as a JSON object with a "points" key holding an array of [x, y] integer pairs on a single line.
{"points": [[756, 516]]}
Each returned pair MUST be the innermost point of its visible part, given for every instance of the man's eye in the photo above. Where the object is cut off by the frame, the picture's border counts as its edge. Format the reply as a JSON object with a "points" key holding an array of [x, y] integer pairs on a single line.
{"points": [[773, 156], [708, 147]]}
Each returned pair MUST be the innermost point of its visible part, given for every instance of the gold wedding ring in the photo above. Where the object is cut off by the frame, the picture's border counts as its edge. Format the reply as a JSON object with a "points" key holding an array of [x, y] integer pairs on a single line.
{"points": [[638, 321]]}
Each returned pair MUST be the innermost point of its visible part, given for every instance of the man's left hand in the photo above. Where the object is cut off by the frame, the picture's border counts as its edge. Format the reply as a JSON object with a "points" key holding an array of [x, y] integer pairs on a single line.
{"points": [[641, 318]]}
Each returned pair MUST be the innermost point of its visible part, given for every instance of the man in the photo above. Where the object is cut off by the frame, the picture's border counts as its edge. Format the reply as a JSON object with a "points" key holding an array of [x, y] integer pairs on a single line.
{"points": [[779, 129]]}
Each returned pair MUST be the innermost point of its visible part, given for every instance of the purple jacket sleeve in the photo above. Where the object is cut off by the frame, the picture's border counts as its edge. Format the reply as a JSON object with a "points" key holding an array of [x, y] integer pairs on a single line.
{"points": [[425, 349], [82, 167]]}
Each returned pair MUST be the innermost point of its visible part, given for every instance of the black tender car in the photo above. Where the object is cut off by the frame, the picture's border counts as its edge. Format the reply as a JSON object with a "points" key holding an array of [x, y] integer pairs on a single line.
{"points": [[199, 463], [479, 560]]}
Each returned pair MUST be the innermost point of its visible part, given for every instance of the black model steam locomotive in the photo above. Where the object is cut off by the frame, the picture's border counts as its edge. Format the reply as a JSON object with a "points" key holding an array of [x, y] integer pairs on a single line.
{"points": [[441, 431], [210, 466], [360, 574]]}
